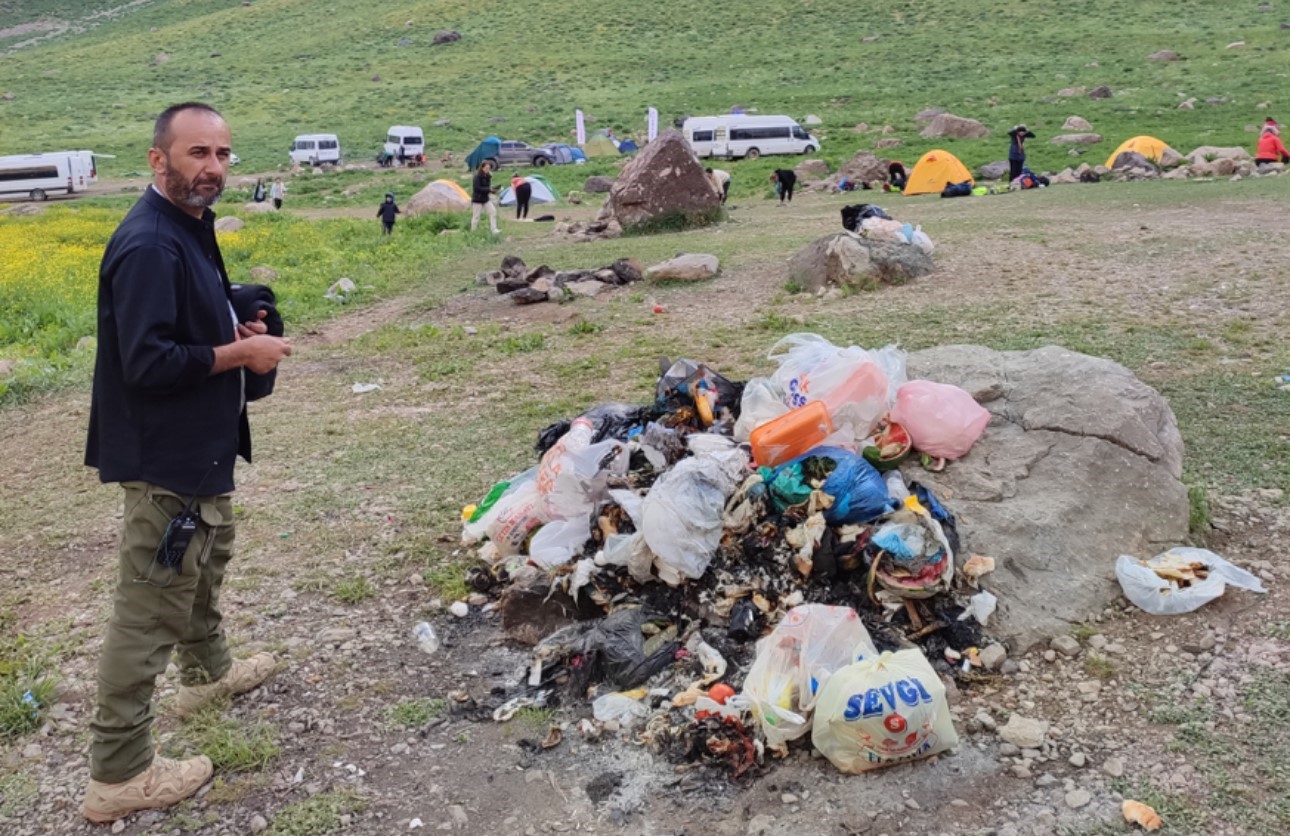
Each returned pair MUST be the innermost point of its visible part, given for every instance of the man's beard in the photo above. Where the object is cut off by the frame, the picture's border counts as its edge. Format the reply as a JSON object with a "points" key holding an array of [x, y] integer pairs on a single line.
{"points": [[185, 193]]}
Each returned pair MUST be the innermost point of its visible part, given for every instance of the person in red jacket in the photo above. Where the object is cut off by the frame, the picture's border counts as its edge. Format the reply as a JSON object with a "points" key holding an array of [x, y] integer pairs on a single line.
{"points": [[1271, 149]]}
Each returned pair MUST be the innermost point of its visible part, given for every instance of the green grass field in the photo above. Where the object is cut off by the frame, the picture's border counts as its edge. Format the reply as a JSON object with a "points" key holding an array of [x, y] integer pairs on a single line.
{"points": [[282, 67]]}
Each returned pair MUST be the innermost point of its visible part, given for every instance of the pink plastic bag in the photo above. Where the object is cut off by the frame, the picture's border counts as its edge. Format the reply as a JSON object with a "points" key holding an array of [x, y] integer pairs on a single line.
{"points": [[942, 420]]}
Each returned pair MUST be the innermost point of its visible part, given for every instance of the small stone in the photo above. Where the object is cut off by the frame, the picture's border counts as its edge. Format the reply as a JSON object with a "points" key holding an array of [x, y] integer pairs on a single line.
{"points": [[788, 798], [258, 824], [1050, 655], [118, 826], [760, 825], [985, 720], [1044, 781], [1097, 641], [1078, 760], [458, 813], [459, 608], [959, 802], [1020, 770], [992, 656], [1023, 732], [912, 804], [1076, 799], [1065, 645], [31, 751], [1114, 767], [1007, 750]]}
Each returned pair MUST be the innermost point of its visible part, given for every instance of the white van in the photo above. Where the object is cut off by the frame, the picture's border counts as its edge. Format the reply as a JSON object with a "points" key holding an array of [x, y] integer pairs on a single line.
{"points": [[748, 136], [405, 142], [37, 176], [316, 149]]}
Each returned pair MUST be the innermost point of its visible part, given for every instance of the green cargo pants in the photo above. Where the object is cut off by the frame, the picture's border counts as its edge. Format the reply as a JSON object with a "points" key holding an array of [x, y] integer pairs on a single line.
{"points": [[155, 609]]}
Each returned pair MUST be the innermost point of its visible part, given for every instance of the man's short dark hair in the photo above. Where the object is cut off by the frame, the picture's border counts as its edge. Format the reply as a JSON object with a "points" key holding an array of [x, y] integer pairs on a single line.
{"points": [[161, 130]]}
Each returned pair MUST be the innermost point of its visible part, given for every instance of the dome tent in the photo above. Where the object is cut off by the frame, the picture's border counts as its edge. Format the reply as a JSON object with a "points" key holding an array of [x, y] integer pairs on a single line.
{"points": [[1147, 146], [543, 191], [933, 170]]}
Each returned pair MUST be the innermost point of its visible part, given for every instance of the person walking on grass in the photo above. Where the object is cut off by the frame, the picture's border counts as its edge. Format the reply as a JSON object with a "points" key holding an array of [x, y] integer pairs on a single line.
{"points": [[784, 181], [523, 194], [167, 420], [386, 212], [1017, 150], [720, 181], [481, 197], [277, 191]]}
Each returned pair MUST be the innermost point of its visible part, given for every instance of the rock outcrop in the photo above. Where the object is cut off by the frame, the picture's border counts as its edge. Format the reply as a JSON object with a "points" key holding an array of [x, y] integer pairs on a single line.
{"points": [[960, 127], [665, 181], [845, 258]]}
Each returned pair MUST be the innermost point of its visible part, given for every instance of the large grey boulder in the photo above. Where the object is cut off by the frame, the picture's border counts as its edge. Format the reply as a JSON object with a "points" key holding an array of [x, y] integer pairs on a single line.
{"points": [[229, 224], [993, 171], [1209, 153], [665, 181], [1134, 165], [1170, 158], [960, 127], [1081, 462], [689, 267], [865, 167], [845, 258], [927, 114], [1077, 123], [1076, 139], [598, 184]]}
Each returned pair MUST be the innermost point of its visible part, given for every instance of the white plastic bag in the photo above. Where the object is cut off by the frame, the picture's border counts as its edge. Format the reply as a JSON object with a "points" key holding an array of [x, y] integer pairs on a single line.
{"points": [[791, 664], [922, 241], [884, 711], [619, 707], [854, 384], [558, 541], [762, 401], [508, 523], [1159, 596], [570, 477], [681, 514]]}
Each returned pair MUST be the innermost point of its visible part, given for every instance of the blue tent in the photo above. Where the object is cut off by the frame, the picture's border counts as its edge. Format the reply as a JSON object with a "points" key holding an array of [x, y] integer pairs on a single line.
{"points": [[627, 146], [487, 149], [564, 154]]}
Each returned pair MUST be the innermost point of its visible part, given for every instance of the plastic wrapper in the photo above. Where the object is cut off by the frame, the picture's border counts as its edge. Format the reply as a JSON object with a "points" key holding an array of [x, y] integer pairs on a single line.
{"points": [[794, 661], [618, 707], [763, 401], [858, 490], [942, 420], [1180, 580], [559, 541], [881, 712], [572, 476], [513, 515], [681, 514], [608, 420]]}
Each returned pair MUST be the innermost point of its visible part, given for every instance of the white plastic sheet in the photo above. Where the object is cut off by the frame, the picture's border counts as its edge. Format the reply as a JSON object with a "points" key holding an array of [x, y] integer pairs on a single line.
{"points": [[1159, 596]]}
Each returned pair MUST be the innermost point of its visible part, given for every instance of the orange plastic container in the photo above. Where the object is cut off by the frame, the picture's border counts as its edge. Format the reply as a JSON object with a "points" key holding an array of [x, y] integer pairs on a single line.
{"points": [[791, 434]]}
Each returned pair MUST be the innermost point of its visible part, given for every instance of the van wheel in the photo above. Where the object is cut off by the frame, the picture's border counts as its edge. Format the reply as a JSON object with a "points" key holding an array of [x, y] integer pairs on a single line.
{"points": [[540, 161], [492, 161], [39, 194], [808, 150], [752, 154]]}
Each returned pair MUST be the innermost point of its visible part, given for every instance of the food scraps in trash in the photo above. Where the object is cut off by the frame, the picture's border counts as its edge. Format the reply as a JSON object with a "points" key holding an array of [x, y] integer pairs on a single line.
{"points": [[1179, 570]]}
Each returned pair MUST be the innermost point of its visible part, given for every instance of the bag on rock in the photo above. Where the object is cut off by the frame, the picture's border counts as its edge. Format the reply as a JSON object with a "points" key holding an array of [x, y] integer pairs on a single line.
{"points": [[791, 664], [883, 711], [942, 420]]}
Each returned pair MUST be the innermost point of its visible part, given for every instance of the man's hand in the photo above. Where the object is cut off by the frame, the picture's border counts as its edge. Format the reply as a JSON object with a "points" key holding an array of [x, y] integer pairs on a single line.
{"points": [[261, 353], [250, 329]]}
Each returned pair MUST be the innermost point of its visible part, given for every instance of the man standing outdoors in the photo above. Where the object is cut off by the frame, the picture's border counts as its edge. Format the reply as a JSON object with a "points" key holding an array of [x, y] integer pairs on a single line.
{"points": [[167, 420]]}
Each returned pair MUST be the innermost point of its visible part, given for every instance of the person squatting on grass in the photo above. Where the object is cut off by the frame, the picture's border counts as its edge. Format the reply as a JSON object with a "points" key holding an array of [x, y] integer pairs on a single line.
{"points": [[784, 181], [1270, 148], [167, 420], [386, 212], [481, 197], [523, 194]]}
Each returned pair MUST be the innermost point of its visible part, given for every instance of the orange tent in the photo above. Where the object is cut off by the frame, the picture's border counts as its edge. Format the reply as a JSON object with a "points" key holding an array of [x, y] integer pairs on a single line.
{"points": [[933, 170]]}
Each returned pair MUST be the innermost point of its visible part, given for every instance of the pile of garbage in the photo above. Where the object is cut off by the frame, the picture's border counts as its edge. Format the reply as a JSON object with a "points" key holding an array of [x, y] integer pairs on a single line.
{"points": [[736, 566], [524, 286], [873, 222]]}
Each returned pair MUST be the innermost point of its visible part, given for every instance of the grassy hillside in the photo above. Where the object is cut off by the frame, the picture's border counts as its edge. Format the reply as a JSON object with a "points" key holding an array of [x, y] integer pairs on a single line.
{"points": [[281, 67]]}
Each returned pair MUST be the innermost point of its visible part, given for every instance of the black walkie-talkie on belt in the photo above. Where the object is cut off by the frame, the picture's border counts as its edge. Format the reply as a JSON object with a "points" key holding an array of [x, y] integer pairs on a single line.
{"points": [[179, 532]]}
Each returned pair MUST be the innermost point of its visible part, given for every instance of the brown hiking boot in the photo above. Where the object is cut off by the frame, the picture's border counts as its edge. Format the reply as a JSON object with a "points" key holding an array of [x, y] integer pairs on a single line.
{"points": [[242, 676], [163, 783]]}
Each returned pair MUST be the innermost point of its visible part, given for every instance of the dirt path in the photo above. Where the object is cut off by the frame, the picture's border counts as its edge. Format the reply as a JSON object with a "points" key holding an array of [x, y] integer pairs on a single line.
{"points": [[324, 505]]}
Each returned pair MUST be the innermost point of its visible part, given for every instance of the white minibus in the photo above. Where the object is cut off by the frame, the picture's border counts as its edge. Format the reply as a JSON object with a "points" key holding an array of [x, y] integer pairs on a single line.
{"points": [[37, 176], [748, 136], [316, 149]]}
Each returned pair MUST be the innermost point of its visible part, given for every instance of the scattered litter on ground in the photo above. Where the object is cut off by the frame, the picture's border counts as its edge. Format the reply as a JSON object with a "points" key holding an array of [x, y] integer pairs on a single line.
{"points": [[364, 388], [695, 581], [1180, 580]]}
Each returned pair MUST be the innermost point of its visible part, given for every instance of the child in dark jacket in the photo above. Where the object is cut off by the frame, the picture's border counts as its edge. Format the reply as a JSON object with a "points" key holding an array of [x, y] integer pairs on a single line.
{"points": [[386, 212]]}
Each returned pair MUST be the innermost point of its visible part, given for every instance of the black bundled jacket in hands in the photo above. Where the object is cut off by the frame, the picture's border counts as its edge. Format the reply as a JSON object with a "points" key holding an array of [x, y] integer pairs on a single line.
{"points": [[481, 187], [158, 414], [248, 301]]}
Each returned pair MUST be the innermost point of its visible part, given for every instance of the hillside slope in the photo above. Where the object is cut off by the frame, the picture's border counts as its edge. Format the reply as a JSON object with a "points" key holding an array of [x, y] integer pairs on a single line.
{"points": [[281, 67]]}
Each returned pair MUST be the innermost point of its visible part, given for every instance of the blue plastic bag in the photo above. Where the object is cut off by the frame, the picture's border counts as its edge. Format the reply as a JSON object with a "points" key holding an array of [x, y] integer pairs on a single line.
{"points": [[858, 490]]}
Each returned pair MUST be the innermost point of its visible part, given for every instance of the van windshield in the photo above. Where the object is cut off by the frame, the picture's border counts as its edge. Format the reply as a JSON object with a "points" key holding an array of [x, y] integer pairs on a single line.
{"points": [[799, 132]]}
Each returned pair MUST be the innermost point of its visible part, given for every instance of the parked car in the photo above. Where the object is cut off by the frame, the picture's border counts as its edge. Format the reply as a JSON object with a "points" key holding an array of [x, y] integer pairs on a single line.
{"points": [[521, 153]]}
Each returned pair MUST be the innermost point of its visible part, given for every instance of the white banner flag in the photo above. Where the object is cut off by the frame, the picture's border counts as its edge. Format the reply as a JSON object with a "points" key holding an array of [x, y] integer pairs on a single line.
{"points": [[581, 127], [652, 133]]}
